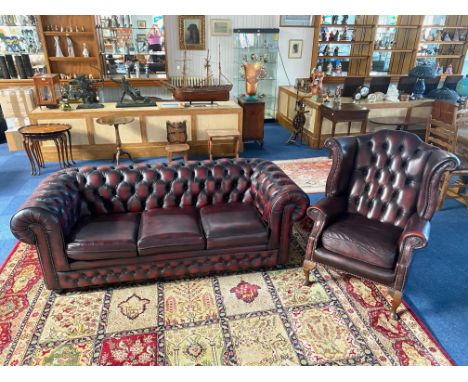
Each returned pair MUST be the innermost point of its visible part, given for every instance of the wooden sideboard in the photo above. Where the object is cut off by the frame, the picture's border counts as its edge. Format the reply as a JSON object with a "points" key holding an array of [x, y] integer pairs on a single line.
{"points": [[318, 132], [146, 136]]}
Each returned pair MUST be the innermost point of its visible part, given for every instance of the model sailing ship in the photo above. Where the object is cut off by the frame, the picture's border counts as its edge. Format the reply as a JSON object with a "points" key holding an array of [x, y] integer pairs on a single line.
{"points": [[190, 89]]}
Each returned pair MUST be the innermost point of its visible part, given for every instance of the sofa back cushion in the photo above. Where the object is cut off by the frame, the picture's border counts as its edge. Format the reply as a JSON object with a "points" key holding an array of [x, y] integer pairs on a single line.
{"points": [[108, 189]]}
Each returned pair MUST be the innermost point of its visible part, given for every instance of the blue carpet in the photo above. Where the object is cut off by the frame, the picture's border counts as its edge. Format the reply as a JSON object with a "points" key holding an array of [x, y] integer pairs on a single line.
{"points": [[437, 286]]}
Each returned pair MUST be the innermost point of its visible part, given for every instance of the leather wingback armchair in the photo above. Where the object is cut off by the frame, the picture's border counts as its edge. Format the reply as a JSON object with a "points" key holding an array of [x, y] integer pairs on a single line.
{"points": [[381, 194], [96, 226]]}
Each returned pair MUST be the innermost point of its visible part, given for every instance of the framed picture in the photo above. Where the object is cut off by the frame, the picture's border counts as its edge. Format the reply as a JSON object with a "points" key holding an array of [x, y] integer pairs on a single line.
{"points": [[221, 27], [304, 21], [192, 32], [141, 37], [141, 24], [295, 48]]}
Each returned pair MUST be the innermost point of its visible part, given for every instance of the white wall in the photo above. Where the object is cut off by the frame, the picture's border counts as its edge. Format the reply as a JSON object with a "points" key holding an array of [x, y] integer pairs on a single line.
{"points": [[294, 67]]}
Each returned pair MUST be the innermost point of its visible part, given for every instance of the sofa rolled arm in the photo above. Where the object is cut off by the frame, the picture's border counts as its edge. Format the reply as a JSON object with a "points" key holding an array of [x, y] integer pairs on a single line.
{"points": [[46, 218], [272, 190]]}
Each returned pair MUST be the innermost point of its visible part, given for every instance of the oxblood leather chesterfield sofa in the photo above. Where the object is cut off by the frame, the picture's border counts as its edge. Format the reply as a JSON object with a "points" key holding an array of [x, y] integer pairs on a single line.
{"points": [[98, 226]]}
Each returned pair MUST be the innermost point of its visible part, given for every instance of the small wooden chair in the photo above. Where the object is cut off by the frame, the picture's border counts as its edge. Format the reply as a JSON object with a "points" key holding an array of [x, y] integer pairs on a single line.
{"points": [[442, 131], [177, 138], [455, 184]]}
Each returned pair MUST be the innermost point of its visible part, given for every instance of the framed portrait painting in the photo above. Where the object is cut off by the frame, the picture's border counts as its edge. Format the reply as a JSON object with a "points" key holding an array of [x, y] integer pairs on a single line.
{"points": [[192, 32], [295, 48], [221, 27]]}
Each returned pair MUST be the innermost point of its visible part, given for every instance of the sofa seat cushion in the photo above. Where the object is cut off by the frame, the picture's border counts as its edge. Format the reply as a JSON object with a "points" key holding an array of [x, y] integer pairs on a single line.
{"points": [[170, 230], [233, 225], [104, 237], [362, 239]]}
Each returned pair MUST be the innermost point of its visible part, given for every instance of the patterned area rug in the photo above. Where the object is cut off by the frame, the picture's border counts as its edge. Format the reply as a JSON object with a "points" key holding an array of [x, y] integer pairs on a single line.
{"points": [[259, 318], [310, 174]]}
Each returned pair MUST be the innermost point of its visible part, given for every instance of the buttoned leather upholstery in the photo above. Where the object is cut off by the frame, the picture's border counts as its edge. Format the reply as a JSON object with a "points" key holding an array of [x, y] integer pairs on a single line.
{"points": [[69, 197], [380, 196]]}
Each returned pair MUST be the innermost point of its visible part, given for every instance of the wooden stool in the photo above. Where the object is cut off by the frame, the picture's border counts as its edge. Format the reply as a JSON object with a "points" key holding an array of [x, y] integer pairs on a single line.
{"points": [[116, 121], [177, 148], [223, 135]]}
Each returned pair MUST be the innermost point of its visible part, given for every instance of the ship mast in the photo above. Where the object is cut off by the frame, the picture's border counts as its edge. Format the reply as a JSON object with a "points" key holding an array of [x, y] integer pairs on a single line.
{"points": [[184, 70], [219, 64], [207, 67]]}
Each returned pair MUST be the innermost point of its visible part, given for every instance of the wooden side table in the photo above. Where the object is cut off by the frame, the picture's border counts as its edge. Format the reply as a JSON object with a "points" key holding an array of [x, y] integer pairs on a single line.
{"points": [[346, 112], [34, 134], [223, 135], [253, 118], [116, 121]]}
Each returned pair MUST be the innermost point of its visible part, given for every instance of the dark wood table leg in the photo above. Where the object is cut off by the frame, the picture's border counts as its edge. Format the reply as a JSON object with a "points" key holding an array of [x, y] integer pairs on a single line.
{"points": [[63, 139], [57, 145], [364, 126], [70, 147], [349, 127], [29, 154], [333, 128]]}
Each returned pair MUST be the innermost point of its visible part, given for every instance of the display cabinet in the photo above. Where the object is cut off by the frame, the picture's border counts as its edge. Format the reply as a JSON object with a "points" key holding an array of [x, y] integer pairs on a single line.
{"points": [[132, 46], [258, 45], [62, 34], [21, 54], [443, 43], [342, 44]]}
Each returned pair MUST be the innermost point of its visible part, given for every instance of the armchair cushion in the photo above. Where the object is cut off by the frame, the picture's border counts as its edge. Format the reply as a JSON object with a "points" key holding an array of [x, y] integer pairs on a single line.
{"points": [[369, 241], [104, 237], [233, 225], [166, 230]]}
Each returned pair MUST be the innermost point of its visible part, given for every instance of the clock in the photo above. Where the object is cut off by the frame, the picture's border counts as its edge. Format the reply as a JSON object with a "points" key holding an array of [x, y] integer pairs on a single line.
{"points": [[361, 92]]}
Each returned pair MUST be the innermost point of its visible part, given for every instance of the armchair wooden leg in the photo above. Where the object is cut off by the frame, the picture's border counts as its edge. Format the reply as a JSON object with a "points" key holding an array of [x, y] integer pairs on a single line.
{"points": [[308, 267], [396, 301]]}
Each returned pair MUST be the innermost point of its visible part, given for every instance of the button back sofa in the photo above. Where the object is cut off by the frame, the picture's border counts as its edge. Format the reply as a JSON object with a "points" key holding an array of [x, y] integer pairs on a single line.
{"points": [[95, 226]]}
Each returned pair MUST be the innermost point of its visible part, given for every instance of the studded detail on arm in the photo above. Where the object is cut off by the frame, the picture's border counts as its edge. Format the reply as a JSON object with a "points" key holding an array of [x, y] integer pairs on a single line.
{"points": [[45, 220]]}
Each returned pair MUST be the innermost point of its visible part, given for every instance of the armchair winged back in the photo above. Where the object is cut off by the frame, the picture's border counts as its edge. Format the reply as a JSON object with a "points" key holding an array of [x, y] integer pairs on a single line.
{"points": [[380, 196]]}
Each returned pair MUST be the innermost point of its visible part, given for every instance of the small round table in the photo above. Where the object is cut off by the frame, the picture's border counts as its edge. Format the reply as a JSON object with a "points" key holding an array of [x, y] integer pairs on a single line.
{"points": [[57, 132], [116, 121]]}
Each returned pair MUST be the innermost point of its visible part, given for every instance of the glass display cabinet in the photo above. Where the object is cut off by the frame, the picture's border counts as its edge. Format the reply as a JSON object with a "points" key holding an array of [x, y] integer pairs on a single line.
{"points": [[443, 43], [132, 46], [20, 46], [258, 45]]}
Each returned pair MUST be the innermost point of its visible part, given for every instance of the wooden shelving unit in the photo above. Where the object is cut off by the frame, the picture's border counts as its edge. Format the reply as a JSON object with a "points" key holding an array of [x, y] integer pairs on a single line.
{"points": [[397, 59], [70, 65], [448, 52], [356, 62]]}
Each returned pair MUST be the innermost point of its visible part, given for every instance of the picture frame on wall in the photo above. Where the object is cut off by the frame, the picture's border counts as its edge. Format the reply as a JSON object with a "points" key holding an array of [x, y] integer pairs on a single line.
{"points": [[295, 48], [298, 21], [221, 27], [141, 24], [191, 32]]}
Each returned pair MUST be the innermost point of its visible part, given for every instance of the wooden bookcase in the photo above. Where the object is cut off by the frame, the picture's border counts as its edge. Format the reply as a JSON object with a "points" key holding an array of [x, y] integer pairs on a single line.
{"points": [[70, 65], [448, 52], [407, 31]]}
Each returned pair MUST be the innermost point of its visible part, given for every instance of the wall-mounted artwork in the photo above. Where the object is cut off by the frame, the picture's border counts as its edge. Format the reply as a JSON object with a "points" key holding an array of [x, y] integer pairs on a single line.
{"points": [[221, 27], [192, 32], [305, 21], [295, 48]]}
